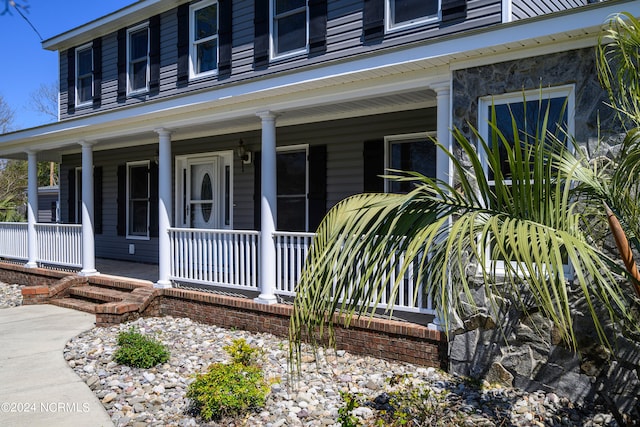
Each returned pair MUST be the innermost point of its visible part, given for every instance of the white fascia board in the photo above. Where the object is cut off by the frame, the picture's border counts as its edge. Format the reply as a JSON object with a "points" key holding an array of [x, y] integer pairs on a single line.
{"points": [[121, 18]]}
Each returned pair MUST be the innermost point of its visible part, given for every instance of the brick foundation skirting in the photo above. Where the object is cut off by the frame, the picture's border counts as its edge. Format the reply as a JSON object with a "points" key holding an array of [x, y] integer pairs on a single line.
{"points": [[387, 339], [382, 338]]}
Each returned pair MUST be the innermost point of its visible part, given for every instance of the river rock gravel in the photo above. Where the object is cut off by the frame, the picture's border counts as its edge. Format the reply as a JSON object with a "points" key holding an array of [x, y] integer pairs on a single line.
{"points": [[10, 295], [156, 397]]}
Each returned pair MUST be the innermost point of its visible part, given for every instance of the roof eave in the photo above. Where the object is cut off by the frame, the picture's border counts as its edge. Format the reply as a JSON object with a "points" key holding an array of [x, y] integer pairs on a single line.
{"points": [[128, 15]]}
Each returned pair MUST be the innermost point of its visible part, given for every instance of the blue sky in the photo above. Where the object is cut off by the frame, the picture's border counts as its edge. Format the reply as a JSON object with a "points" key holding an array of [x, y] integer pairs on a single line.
{"points": [[24, 64]]}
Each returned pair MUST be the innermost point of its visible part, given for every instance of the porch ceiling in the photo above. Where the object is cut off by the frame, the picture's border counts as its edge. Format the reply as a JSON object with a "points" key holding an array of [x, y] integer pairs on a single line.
{"points": [[321, 112]]}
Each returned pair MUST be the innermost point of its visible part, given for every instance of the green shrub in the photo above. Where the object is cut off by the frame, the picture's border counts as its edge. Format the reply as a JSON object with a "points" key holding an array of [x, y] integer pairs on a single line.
{"points": [[139, 351], [345, 417], [227, 390], [241, 352]]}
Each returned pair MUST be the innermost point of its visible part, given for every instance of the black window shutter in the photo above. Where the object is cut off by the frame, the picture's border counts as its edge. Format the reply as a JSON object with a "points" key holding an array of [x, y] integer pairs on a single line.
{"points": [[317, 185], [122, 200], [154, 54], [257, 189], [97, 72], [122, 65], [225, 37], [453, 11], [261, 34], [317, 26], [97, 199], [71, 80], [373, 20], [373, 166], [153, 200], [183, 45], [71, 200]]}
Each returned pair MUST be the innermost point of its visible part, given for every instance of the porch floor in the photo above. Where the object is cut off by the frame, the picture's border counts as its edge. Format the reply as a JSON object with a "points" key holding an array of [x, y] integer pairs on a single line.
{"points": [[132, 270]]}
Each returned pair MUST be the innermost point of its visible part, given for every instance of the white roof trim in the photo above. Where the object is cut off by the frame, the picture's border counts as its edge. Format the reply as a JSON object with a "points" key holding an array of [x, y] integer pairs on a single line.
{"points": [[128, 15]]}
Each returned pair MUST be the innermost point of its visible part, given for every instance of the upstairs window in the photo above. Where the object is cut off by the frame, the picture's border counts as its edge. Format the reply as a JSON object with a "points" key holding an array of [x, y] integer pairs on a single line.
{"points": [[84, 75], [138, 59], [289, 27], [407, 13], [204, 38]]}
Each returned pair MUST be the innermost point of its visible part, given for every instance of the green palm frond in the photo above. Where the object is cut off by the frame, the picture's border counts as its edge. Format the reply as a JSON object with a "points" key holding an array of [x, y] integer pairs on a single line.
{"points": [[618, 60], [535, 225]]}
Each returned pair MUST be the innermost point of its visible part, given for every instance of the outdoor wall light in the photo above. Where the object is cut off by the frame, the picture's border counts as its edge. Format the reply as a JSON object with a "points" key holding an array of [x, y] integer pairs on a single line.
{"points": [[243, 154]]}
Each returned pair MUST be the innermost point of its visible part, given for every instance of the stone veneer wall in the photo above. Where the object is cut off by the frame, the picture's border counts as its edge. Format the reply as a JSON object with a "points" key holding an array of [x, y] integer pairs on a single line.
{"points": [[575, 67], [526, 352]]}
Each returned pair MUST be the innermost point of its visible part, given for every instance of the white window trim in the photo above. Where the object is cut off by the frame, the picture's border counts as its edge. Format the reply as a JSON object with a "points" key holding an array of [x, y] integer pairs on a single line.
{"points": [[391, 27], [193, 46], [305, 148], [78, 192], [181, 163], [565, 91], [390, 139], [130, 91], [129, 166], [77, 76], [272, 35]]}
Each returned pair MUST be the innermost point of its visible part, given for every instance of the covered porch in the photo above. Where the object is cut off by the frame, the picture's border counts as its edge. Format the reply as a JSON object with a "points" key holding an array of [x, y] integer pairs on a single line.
{"points": [[251, 252], [219, 261]]}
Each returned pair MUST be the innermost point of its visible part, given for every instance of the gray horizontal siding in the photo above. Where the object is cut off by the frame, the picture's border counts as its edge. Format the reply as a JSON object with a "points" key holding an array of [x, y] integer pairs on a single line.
{"points": [[46, 208], [522, 9], [344, 40], [109, 244]]}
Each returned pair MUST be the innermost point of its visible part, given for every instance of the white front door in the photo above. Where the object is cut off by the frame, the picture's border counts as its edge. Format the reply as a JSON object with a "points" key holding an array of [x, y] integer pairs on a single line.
{"points": [[203, 208]]}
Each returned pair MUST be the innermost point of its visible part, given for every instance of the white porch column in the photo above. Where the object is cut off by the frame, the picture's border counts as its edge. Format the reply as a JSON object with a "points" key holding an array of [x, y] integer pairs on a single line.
{"points": [[88, 242], [443, 95], [268, 209], [165, 208], [32, 209], [443, 163]]}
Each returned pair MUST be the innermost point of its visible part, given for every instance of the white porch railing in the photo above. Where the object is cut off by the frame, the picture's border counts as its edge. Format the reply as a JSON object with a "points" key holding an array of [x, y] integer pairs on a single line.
{"points": [[409, 296], [221, 257], [291, 253], [60, 244], [14, 241]]}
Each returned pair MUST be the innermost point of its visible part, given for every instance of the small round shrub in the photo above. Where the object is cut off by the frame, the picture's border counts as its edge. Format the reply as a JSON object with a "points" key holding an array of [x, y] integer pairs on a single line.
{"points": [[241, 352], [139, 351], [227, 390]]}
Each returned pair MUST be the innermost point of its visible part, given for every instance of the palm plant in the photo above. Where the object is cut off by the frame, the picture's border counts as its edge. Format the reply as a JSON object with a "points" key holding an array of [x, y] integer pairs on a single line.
{"points": [[543, 219]]}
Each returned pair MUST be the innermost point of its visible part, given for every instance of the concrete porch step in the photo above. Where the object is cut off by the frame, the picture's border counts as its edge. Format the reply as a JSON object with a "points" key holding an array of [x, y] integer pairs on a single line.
{"points": [[98, 294], [75, 304]]}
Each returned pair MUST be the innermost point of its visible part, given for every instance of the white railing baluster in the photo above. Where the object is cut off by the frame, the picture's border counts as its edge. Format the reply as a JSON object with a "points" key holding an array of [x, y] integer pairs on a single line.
{"points": [[230, 258], [59, 244], [225, 258]]}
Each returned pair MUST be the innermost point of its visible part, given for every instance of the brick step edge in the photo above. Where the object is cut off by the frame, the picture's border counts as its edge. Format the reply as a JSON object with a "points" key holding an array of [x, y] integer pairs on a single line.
{"points": [[98, 293], [75, 304]]}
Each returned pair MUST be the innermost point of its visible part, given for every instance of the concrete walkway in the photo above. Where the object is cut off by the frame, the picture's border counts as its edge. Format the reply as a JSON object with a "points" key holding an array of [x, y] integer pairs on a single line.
{"points": [[37, 387]]}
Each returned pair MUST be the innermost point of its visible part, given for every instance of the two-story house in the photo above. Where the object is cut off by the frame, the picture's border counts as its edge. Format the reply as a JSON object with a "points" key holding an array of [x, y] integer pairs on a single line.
{"points": [[211, 136]]}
